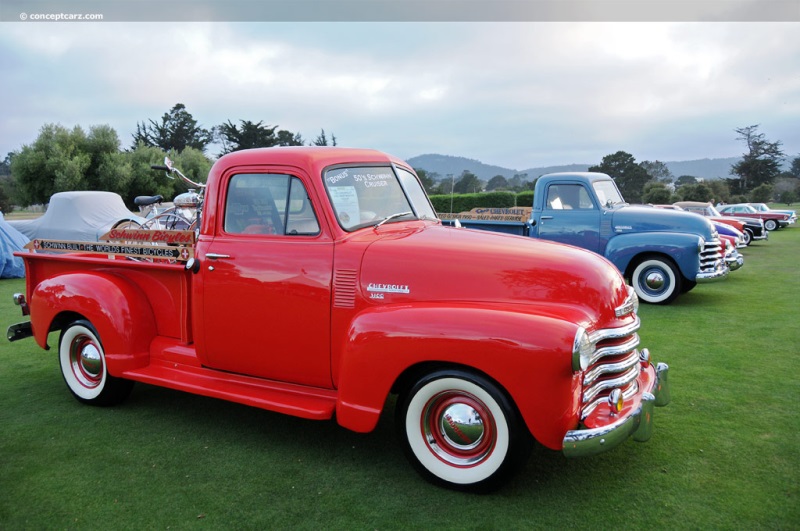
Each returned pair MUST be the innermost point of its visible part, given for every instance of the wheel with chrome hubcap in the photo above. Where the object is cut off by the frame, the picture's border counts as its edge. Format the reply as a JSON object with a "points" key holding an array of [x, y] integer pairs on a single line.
{"points": [[460, 431], [83, 366], [771, 224], [656, 280]]}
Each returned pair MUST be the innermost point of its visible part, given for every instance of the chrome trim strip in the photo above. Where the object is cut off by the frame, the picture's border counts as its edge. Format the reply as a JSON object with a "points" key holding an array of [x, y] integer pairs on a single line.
{"points": [[592, 375], [614, 350], [615, 333], [621, 380]]}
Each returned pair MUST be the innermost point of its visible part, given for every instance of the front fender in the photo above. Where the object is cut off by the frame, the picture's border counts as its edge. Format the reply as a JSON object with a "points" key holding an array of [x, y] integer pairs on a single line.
{"points": [[680, 246], [117, 308], [527, 355]]}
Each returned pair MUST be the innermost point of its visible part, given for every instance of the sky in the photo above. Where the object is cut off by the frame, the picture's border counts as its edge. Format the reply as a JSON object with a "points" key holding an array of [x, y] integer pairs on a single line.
{"points": [[513, 94]]}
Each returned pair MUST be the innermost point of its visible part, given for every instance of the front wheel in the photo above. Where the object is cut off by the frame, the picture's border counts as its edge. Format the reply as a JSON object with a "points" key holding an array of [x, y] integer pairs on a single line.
{"points": [[461, 432], [83, 366], [748, 236], [771, 224], [656, 280]]}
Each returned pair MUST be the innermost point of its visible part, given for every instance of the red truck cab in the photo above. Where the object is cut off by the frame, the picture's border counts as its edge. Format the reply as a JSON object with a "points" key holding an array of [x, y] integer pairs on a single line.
{"points": [[322, 282]]}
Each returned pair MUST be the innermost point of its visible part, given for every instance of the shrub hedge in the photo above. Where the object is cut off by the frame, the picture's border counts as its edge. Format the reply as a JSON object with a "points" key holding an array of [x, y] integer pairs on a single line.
{"points": [[466, 202]]}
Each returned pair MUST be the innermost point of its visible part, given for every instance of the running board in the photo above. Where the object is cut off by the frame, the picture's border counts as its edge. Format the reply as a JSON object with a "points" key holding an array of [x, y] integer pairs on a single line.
{"points": [[290, 399]]}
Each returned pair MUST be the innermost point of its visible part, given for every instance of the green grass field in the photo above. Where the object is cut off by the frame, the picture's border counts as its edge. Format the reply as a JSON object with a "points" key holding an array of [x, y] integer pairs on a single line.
{"points": [[724, 454]]}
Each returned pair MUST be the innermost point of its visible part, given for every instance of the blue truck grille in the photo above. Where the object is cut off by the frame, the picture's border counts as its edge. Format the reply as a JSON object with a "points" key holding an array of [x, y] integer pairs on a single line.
{"points": [[613, 365], [711, 255]]}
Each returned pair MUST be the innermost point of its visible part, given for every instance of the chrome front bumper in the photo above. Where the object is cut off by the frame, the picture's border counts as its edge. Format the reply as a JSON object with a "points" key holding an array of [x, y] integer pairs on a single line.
{"points": [[637, 424], [719, 272]]}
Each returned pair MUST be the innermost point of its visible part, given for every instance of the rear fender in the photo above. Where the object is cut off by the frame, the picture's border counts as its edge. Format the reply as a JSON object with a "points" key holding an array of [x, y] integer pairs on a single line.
{"points": [[529, 356], [117, 308], [681, 247]]}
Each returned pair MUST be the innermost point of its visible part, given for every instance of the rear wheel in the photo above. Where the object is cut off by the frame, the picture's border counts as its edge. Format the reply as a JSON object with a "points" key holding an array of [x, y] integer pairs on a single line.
{"points": [[83, 366], [656, 280], [461, 432]]}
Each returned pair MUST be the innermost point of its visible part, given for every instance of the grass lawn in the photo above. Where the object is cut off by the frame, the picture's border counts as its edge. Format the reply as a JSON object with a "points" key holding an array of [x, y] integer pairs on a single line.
{"points": [[724, 454]]}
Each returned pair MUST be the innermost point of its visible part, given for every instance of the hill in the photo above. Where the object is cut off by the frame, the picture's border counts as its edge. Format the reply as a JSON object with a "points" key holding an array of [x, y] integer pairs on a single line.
{"points": [[446, 165]]}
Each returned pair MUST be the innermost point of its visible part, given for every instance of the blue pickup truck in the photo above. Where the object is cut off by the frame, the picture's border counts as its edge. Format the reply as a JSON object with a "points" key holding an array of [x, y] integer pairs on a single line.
{"points": [[662, 253]]}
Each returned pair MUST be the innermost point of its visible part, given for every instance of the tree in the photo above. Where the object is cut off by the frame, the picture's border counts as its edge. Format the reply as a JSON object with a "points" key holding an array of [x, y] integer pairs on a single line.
{"points": [[794, 169], [250, 135], [762, 193], [468, 183], [322, 140], [685, 179], [630, 177], [427, 180], [287, 138], [656, 193], [696, 192], [657, 170], [720, 190], [517, 182], [247, 136], [177, 131], [498, 182], [761, 164], [56, 161]]}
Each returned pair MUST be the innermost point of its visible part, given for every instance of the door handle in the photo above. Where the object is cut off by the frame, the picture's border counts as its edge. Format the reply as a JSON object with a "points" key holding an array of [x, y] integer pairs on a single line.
{"points": [[546, 217], [215, 256]]}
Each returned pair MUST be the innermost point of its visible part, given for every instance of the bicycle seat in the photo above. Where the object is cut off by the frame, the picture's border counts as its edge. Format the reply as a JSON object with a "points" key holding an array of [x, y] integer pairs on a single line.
{"points": [[145, 200]]}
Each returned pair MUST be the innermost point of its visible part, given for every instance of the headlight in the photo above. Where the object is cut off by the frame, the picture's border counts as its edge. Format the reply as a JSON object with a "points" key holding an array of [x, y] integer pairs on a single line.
{"points": [[582, 350]]}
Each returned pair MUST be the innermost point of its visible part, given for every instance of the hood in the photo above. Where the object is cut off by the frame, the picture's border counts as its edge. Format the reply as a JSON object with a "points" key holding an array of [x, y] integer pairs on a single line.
{"points": [[467, 266], [644, 219]]}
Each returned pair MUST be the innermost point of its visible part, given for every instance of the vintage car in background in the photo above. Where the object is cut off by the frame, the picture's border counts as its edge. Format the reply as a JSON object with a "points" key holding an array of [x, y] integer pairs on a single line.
{"points": [[772, 220], [730, 237], [752, 228], [76, 216], [762, 207]]}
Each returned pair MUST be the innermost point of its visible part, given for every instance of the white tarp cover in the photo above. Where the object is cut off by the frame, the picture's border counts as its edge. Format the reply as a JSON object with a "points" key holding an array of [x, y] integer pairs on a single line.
{"points": [[76, 216], [11, 240]]}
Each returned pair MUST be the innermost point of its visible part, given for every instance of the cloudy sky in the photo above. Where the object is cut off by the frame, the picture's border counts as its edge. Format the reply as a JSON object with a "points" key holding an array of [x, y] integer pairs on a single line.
{"points": [[514, 94]]}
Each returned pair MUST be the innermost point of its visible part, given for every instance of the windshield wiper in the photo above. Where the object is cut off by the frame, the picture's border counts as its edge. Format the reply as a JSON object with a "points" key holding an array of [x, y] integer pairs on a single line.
{"points": [[393, 216]]}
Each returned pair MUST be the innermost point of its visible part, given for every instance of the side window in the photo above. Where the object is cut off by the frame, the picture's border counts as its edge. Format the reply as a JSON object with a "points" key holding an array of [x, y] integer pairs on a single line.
{"points": [[568, 197], [268, 204], [300, 218]]}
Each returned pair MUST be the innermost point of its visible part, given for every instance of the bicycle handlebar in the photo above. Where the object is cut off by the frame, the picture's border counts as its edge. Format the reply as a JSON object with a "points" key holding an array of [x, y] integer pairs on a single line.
{"points": [[181, 175]]}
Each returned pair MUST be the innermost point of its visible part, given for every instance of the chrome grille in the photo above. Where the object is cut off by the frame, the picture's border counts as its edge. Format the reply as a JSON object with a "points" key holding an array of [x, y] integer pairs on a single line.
{"points": [[614, 364], [711, 254]]}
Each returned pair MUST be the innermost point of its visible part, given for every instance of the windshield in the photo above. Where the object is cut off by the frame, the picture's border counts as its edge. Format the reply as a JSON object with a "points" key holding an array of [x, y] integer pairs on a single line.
{"points": [[367, 196], [607, 193], [713, 211]]}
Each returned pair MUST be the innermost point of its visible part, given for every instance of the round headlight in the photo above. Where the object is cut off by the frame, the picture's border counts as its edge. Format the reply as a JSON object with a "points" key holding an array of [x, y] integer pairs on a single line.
{"points": [[582, 350]]}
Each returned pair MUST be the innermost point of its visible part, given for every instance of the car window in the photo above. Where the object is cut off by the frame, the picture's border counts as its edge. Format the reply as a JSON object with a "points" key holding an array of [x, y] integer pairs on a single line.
{"points": [[364, 196], [568, 197], [269, 204]]}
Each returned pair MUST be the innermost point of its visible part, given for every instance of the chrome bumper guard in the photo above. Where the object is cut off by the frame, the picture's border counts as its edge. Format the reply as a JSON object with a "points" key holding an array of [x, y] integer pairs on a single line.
{"points": [[638, 424], [735, 262], [19, 331]]}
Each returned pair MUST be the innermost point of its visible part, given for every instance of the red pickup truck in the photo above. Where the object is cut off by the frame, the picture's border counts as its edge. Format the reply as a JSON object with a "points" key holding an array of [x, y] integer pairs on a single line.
{"points": [[321, 282]]}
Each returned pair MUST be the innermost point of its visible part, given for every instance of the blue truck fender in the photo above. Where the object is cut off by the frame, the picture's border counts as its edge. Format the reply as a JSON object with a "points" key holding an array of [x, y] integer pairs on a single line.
{"points": [[623, 250]]}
